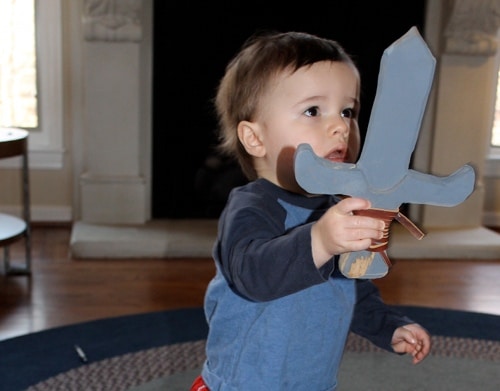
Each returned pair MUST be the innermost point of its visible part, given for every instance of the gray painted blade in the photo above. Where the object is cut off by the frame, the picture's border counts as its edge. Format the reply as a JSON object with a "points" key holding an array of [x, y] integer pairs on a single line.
{"points": [[405, 79]]}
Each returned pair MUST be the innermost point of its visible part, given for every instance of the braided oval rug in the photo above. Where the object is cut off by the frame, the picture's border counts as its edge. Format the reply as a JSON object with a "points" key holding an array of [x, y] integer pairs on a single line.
{"points": [[455, 364], [165, 351]]}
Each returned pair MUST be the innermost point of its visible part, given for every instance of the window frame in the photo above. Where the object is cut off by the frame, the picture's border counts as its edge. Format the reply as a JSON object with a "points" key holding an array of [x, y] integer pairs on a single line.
{"points": [[492, 162], [45, 143]]}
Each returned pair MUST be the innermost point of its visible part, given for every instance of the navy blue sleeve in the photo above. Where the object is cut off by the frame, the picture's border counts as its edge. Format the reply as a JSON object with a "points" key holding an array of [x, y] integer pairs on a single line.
{"points": [[260, 260], [373, 319]]}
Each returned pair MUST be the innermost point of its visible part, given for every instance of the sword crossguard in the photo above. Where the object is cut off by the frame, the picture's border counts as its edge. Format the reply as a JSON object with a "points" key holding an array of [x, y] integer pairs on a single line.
{"points": [[382, 173]]}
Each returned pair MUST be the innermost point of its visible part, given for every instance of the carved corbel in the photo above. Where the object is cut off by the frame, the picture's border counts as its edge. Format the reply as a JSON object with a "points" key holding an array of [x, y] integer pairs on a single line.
{"points": [[472, 28], [112, 20]]}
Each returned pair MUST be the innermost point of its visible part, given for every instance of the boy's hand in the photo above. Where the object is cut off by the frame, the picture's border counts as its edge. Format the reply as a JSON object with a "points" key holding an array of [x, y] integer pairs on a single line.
{"points": [[412, 339], [339, 230]]}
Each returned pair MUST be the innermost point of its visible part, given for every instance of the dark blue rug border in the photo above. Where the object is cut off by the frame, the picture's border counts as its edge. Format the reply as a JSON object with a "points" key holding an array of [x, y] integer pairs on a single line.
{"points": [[29, 359], [455, 323]]}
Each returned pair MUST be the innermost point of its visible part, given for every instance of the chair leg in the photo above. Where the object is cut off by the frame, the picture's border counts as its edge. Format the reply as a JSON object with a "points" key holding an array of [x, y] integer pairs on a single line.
{"points": [[6, 259], [17, 270], [27, 247]]}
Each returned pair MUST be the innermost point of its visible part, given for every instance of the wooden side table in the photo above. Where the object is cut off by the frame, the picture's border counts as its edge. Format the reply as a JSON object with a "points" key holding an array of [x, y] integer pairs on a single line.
{"points": [[14, 142]]}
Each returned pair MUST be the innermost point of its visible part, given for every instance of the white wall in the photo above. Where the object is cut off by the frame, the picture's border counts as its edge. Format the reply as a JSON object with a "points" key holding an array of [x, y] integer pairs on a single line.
{"points": [[106, 160]]}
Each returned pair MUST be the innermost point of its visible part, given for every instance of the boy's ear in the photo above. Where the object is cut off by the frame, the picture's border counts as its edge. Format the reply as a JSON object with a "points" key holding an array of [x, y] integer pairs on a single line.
{"points": [[250, 136]]}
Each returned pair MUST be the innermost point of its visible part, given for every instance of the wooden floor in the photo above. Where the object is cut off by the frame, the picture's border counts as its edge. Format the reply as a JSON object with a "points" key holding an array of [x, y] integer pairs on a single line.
{"points": [[64, 291]]}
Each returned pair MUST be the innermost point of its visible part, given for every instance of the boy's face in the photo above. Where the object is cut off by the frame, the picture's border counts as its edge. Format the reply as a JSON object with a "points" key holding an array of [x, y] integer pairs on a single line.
{"points": [[317, 105]]}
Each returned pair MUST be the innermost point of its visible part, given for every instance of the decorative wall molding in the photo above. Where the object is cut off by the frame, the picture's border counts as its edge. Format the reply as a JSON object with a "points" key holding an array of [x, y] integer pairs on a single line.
{"points": [[112, 20], [473, 27]]}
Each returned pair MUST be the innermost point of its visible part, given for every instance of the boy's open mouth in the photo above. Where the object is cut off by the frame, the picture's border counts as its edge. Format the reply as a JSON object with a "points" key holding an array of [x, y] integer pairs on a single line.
{"points": [[338, 154]]}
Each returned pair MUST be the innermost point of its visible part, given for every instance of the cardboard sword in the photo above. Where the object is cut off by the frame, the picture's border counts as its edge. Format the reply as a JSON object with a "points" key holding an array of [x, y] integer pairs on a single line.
{"points": [[382, 173]]}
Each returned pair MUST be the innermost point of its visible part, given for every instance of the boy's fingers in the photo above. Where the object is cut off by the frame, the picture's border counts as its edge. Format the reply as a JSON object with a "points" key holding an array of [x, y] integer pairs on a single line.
{"points": [[348, 205]]}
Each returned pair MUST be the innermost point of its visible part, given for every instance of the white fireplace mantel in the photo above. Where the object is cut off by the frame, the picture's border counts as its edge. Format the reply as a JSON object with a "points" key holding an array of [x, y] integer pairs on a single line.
{"points": [[463, 37], [114, 151], [114, 182]]}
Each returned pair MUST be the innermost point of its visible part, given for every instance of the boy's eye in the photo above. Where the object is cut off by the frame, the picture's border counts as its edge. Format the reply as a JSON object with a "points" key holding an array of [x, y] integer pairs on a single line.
{"points": [[349, 113], [312, 111]]}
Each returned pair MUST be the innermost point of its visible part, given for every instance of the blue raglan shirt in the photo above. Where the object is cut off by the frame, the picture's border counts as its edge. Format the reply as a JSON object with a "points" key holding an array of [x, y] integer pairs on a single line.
{"points": [[276, 322]]}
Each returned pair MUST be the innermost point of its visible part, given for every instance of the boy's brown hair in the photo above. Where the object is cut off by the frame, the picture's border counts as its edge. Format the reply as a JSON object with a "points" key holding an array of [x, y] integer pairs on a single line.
{"points": [[249, 73]]}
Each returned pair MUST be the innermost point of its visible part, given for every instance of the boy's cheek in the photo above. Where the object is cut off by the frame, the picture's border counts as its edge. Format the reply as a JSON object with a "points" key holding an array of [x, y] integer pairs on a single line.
{"points": [[353, 147]]}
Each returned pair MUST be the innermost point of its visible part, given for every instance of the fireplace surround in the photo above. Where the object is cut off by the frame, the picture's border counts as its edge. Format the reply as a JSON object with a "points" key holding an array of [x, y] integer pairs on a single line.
{"points": [[114, 166]]}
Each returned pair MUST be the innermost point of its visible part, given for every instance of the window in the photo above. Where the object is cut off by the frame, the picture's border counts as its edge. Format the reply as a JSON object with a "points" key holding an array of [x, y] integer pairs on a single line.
{"points": [[18, 100], [495, 130], [492, 164], [495, 133], [38, 104]]}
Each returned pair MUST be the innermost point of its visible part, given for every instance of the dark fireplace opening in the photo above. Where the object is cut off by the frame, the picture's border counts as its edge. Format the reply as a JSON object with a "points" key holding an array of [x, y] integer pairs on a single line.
{"points": [[190, 180]]}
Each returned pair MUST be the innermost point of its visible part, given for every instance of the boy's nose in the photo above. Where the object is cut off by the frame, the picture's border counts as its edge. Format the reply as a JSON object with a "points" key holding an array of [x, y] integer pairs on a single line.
{"points": [[339, 128]]}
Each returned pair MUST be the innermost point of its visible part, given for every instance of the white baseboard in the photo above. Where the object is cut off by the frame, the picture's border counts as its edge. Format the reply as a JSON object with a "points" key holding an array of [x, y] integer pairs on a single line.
{"points": [[42, 213]]}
